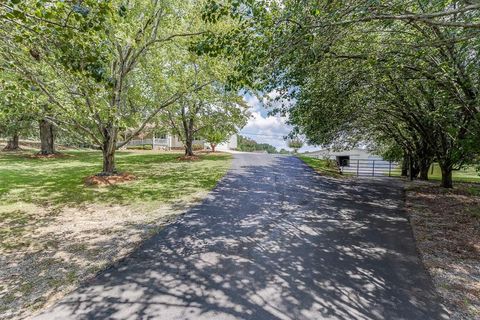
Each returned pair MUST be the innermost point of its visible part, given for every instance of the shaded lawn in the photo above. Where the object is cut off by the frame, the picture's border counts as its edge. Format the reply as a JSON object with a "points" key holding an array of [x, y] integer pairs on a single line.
{"points": [[322, 166], [161, 177]]}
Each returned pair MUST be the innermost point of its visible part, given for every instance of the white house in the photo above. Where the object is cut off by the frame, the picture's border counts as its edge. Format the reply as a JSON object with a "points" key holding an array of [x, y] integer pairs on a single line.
{"points": [[230, 144], [172, 142]]}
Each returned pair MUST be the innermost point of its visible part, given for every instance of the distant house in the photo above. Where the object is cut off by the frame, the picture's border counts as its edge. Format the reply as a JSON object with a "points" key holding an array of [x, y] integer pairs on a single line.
{"points": [[172, 142]]}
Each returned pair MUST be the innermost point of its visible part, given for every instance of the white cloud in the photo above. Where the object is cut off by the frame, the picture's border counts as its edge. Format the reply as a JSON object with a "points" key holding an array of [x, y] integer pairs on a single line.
{"points": [[264, 128]]}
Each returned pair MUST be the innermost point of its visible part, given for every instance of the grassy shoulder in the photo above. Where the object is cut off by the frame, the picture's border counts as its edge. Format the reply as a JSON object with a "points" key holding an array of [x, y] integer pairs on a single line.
{"points": [[322, 166], [446, 225], [467, 174], [56, 232]]}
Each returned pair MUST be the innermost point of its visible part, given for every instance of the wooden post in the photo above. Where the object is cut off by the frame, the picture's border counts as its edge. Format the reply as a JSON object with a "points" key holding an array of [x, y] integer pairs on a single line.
{"points": [[389, 168], [373, 169]]}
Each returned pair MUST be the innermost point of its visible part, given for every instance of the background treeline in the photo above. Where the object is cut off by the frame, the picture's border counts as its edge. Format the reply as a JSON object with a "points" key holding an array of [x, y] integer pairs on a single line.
{"points": [[250, 145]]}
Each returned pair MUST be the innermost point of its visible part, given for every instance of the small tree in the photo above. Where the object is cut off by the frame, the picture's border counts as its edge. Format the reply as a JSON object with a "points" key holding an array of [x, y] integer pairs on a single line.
{"points": [[225, 121], [17, 109], [295, 144], [215, 136]]}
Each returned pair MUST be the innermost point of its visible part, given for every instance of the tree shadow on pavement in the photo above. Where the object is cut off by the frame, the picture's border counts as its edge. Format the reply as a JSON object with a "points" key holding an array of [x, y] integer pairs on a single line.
{"points": [[273, 241]]}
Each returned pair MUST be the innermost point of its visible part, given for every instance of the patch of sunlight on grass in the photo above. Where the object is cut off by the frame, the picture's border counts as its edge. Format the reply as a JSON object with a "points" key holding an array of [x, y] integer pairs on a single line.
{"points": [[321, 166], [59, 181]]}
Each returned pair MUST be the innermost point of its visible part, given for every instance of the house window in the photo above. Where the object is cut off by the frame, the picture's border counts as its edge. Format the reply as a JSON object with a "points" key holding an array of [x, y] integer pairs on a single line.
{"points": [[162, 136]]}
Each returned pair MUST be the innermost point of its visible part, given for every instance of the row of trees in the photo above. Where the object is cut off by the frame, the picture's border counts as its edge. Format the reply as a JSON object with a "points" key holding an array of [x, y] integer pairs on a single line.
{"points": [[97, 70], [249, 145], [399, 76]]}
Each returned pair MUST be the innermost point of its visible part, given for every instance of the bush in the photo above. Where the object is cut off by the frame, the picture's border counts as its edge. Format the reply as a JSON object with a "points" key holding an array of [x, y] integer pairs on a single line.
{"points": [[140, 147], [197, 147]]}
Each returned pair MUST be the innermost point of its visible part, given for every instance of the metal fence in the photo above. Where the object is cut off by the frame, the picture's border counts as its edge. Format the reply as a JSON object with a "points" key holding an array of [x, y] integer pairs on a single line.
{"points": [[370, 167]]}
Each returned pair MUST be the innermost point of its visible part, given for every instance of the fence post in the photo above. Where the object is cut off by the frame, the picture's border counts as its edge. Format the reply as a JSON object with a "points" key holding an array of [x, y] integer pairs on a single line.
{"points": [[358, 164], [373, 169], [389, 168]]}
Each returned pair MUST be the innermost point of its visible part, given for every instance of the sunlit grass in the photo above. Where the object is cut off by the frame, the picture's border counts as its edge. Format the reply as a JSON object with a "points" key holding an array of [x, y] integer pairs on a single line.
{"points": [[466, 174], [161, 177], [322, 166]]}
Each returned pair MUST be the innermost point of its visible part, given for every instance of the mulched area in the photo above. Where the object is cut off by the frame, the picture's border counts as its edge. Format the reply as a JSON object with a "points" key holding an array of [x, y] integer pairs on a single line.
{"points": [[446, 225], [99, 180], [189, 158]]}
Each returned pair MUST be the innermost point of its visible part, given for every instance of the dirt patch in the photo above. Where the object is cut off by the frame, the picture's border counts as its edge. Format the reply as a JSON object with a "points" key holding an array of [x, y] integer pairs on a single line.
{"points": [[189, 158], [47, 252], [99, 180], [446, 225]]}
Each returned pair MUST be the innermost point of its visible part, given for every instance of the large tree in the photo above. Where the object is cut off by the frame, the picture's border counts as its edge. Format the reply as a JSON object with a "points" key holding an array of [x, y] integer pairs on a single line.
{"points": [[404, 70], [87, 58]]}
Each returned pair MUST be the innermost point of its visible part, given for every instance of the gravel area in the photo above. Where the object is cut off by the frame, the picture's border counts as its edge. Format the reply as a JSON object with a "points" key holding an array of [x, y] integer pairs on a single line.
{"points": [[49, 251], [446, 225]]}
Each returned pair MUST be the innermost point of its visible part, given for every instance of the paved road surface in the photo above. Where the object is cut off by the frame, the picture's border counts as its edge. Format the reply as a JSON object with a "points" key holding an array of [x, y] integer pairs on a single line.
{"points": [[273, 241]]}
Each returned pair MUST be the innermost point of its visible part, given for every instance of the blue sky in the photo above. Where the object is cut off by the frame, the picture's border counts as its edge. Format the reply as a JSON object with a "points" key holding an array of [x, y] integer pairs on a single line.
{"points": [[267, 129]]}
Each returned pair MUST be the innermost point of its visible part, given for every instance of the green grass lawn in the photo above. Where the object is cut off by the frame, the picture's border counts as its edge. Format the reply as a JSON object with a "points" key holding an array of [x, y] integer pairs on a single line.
{"points": [[55, 232], [322, 166], [161, 177], [467, 174]]}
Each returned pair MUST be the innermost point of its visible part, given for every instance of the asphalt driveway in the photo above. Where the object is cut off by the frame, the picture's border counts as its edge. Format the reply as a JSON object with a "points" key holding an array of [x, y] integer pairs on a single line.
{"points": [[273, 241]]}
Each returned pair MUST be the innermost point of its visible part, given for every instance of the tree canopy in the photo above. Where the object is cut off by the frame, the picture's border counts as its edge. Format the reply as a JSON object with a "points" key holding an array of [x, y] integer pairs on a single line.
{"points": [[402, 74]]}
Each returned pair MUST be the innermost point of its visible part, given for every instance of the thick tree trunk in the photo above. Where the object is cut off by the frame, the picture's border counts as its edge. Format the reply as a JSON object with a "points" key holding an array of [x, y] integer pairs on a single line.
{"points": [[415, 170], [47, 137], [213, 145], [424, 167], [12, 143], [447, 181], [108, 150], [189, 146], [423, 173]]}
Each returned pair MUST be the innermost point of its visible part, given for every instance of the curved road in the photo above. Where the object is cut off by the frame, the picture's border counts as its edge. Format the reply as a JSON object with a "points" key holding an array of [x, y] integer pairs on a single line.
{"points": [[274, 240]]}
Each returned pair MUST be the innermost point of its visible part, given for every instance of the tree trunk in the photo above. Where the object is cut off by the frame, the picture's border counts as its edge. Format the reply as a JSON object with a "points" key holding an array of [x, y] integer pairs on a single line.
{"points": [[447, 181], [213, 145], [108, 150], [424, 167], [415, 170], [189, 146], [188, 129], [12, 144], [405, 166], [47, 137]]}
